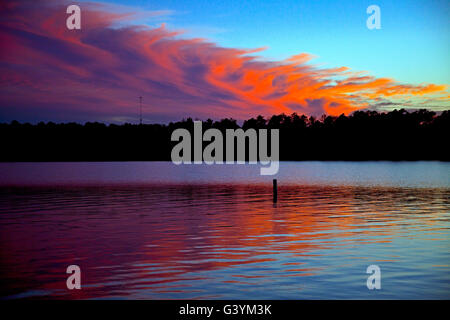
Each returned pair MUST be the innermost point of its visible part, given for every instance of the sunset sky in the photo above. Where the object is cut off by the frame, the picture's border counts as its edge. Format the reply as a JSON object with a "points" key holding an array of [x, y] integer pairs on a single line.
{"points": [[216, 59]]}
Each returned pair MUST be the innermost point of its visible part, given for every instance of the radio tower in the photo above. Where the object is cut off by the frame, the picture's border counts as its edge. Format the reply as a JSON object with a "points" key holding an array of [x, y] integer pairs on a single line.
{"points": [[140, 110]]}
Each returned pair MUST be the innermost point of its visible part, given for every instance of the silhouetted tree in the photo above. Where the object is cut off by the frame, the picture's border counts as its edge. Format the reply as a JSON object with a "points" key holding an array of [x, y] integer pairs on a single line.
{"points": [[363, 135]]}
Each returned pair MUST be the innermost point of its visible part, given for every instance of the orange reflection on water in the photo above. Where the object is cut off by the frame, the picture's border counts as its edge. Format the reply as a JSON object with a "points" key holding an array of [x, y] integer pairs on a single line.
{"points": [[174, 241]]}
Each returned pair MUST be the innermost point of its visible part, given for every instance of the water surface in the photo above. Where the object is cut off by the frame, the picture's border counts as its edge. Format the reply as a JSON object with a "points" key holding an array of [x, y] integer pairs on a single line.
{"points": [[160, 231]]}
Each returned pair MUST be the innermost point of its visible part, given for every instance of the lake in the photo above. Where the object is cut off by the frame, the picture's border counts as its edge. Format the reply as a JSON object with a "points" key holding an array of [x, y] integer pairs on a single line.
{"points": [[154, 230]]}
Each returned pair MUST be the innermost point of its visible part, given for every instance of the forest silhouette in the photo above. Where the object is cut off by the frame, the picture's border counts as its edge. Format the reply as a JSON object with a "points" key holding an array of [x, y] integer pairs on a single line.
{"points": [[363, 135]]}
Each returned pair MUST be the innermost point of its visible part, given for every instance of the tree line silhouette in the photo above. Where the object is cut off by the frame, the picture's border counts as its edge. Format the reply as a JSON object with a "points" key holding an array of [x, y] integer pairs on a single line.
{"points": [[363, 135]]}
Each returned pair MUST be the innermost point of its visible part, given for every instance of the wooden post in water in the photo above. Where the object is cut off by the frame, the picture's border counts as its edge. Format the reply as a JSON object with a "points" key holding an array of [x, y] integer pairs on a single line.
{"points": [[275, 191]]}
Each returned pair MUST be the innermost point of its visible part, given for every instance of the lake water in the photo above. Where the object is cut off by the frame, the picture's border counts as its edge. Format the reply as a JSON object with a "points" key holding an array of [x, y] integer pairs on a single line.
{"points": [[153, 230]]}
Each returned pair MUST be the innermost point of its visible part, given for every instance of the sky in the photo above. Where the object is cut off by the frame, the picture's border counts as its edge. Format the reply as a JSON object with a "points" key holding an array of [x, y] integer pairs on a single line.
{"points": [[216, 59]]}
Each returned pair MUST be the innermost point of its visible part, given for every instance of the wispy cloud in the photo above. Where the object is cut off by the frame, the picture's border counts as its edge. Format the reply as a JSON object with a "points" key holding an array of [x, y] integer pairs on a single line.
{"points": [[98, 72]]}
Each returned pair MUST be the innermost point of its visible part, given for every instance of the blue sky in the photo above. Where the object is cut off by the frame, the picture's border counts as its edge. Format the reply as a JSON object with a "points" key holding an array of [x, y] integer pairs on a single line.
{"points": [[412, 45]]}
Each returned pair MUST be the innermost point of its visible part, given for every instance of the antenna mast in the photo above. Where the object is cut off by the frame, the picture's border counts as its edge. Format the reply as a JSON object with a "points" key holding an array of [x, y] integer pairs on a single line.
{"points": [[140, 110]]}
